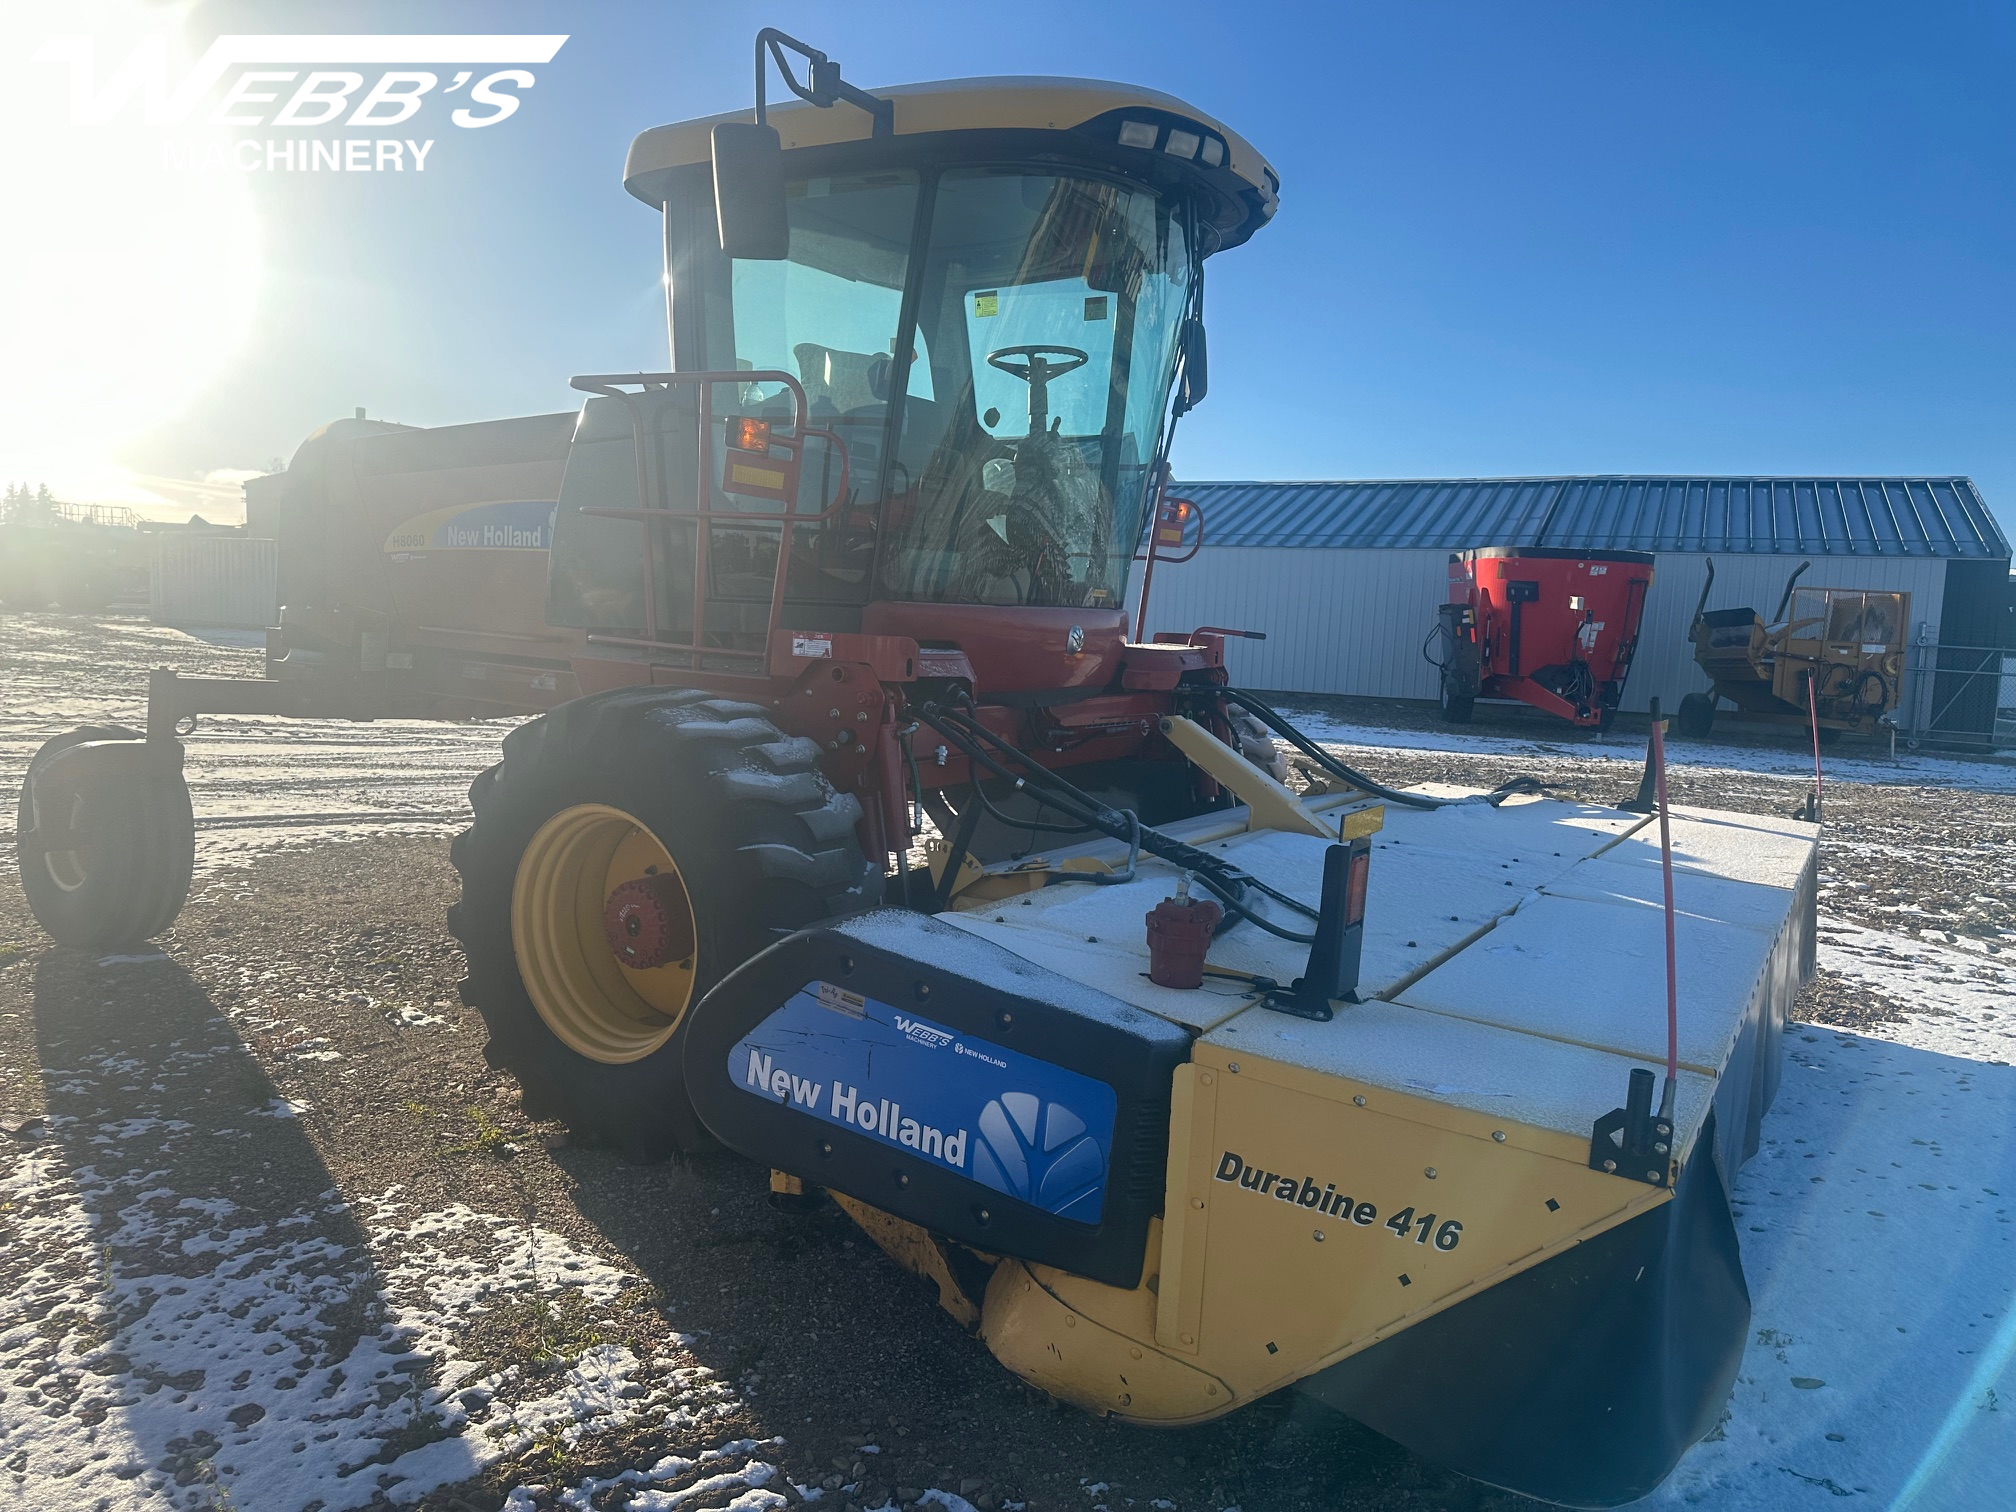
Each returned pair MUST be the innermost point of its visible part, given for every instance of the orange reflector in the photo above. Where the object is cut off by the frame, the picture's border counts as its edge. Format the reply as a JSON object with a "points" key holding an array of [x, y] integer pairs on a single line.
{"points": [[747, 433], [1354, 891], [755, 477]]}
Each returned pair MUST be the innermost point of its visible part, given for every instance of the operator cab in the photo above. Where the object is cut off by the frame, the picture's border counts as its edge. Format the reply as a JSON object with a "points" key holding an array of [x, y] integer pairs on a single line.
{"points": [[988, 290]]}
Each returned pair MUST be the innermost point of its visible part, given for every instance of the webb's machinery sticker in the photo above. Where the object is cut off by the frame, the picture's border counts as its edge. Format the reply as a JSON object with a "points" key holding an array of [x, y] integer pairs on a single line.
{"points": [[1025, 1127], [507, 525]]}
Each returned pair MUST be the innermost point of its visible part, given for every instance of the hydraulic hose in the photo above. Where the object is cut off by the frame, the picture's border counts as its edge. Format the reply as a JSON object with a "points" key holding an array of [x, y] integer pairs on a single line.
{"points": [[1133, 819], [1125, 874], [1226, 882], [1336, 768], [1087, 811], [916, 794], [1039, 826], [1074, 796]]}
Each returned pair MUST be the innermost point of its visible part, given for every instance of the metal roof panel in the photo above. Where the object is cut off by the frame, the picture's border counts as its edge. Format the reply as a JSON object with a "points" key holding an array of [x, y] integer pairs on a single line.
{"points": [[1938, 517]]}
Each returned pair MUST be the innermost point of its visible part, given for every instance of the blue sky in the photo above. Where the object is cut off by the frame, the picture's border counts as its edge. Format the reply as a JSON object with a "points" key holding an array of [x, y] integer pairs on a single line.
{"points": [[1513, 238]]}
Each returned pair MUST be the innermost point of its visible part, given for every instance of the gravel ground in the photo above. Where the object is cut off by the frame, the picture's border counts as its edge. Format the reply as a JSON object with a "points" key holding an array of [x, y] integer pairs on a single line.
{"points": [[266, 1208]]}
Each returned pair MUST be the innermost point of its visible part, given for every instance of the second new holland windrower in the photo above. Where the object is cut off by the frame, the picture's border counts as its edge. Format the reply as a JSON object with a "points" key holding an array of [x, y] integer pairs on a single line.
{"points": [[862, 554]]}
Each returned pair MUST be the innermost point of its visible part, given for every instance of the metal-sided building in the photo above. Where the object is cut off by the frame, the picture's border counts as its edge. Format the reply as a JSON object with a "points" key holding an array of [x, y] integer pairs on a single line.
{"points": [[1344, 577]]}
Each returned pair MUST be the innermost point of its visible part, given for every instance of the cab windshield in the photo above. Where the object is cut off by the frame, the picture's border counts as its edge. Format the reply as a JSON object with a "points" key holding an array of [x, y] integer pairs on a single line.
{"points": [[1019, 412], [1047, 316]]}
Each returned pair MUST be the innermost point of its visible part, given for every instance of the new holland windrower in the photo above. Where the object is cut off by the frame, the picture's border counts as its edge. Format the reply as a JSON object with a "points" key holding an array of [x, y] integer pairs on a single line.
{"points": [[876, 850]]}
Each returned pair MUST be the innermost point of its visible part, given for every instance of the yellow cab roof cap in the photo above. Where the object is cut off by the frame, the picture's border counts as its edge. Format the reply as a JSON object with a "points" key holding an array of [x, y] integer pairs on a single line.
{"points": [[1123, 119]]}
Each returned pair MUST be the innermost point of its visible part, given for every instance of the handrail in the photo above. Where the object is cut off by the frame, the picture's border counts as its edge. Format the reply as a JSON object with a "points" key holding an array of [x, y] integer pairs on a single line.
{"points": [[1183, 509], [616, 386]]}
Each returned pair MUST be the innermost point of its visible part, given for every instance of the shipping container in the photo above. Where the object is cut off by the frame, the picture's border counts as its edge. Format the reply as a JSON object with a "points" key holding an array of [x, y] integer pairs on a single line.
{"points": [[213, 582]]}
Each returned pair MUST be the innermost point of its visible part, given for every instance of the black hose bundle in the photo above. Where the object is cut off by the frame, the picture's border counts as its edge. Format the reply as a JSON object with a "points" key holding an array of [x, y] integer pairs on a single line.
{"points": [[1280, 726], [1228, 883], [1231, 885]]}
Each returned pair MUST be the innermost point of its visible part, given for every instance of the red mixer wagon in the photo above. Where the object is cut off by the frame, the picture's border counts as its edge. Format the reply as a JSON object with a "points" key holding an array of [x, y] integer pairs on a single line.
{"points": [[1550, 627]]}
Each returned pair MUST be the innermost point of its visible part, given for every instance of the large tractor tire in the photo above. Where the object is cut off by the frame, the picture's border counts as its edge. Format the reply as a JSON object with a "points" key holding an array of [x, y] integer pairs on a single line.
{"points": [[1695, 718], [106, 838], [629, 850]]}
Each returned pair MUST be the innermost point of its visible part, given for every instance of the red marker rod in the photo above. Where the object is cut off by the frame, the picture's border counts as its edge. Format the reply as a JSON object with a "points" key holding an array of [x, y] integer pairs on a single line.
{"points": [[1672, 953], [1813, 717]]}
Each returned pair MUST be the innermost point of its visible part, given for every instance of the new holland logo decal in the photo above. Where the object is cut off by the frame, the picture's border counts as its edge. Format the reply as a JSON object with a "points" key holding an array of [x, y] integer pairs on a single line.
{"points": [[1031, 1129], [501, 525]]}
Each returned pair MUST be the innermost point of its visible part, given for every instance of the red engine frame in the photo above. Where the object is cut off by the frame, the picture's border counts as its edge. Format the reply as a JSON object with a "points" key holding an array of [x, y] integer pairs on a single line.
{"points": [[1552, 628], [1063, 685]]}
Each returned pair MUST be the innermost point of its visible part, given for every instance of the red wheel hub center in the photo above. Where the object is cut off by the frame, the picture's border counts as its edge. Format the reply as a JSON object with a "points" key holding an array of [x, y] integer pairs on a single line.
{"points": [[649, 922]]}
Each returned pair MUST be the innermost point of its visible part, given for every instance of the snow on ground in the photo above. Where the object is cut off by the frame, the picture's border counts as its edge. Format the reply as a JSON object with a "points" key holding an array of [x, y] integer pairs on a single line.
{"points": [[197, 1319], [257, 784], [751, 1478], [1878, 1223], [1878, 1239], [1965, 996], [756, 1480], [1910, 768], [171, 1340], [168, 1351]]}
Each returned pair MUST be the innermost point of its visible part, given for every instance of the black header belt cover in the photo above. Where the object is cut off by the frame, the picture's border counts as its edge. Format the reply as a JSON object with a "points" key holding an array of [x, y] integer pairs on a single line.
{"points": [[942, 1078]]}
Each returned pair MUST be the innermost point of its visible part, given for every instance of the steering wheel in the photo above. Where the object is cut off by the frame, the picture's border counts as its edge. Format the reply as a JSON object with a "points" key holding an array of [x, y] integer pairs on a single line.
{"points": [[1036, 369]]}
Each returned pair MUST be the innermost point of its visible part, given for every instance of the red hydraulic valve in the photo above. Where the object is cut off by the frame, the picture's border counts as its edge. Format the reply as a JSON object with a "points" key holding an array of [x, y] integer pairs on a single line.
{"points": [[1179, 933]]}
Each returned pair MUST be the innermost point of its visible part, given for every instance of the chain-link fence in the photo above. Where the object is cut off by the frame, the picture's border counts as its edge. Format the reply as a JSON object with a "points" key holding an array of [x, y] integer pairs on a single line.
{"points": [[1957, 695]]}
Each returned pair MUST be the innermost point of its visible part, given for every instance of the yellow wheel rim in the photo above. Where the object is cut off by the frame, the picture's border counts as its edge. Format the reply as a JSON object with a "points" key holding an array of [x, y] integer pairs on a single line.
{"points": [[597, 1005]]}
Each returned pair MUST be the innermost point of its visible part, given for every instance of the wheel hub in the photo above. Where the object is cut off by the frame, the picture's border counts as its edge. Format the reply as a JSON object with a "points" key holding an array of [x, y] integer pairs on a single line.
{"points": [[603, 928], [649, 922]]}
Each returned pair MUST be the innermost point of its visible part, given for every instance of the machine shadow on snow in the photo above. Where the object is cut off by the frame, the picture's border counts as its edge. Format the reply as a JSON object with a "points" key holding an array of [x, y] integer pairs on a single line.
{"points": [[229, 1276], [809, 1302]]}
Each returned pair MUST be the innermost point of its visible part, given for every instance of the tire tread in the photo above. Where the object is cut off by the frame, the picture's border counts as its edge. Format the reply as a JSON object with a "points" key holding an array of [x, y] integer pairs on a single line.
{"points": [[787, 848]]}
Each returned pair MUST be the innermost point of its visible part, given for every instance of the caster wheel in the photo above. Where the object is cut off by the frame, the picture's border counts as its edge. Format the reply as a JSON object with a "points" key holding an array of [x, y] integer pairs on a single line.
{"points": [[107, 840]]}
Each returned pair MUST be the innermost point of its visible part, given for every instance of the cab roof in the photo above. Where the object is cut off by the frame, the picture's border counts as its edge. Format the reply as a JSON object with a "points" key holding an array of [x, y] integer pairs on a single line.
{"points": [[1094, 111]]}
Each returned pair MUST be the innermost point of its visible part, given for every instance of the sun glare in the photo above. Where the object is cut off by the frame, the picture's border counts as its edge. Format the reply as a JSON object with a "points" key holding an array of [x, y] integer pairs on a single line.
{"points": [[126, 287]]}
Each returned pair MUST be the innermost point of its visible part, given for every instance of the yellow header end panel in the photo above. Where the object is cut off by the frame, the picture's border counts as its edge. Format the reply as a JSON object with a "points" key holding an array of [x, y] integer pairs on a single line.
{"points": [[1311, 1216], [1307, 1217]]}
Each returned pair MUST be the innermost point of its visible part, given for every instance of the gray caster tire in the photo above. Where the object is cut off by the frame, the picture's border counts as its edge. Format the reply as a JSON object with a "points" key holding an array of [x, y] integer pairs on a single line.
{"points": [[106, 838]]}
